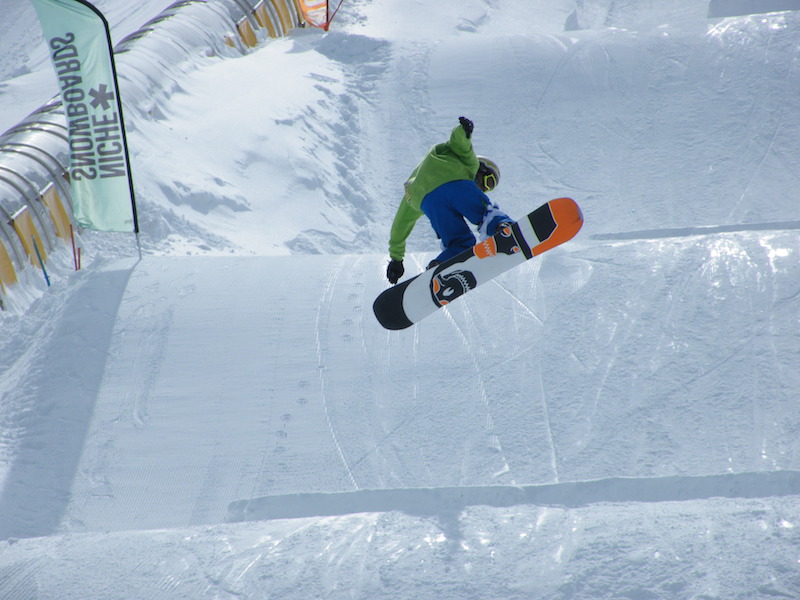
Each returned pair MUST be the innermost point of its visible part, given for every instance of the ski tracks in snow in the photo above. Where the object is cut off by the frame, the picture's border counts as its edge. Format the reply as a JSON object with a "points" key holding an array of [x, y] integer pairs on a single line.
{"points": [[325, 301], [477, 370]]}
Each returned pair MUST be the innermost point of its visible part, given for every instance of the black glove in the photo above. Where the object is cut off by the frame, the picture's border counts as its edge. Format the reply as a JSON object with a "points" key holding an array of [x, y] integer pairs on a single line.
{"points": [[467, 125], [394, 271]]}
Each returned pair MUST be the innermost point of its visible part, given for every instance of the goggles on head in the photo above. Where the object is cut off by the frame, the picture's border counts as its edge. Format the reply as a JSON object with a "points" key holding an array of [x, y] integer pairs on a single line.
{"points": [[486, 178]]}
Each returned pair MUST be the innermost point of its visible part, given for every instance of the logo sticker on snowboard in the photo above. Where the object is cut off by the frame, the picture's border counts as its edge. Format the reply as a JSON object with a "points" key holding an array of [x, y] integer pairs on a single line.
{"points": [[446, 287], [503, 242]]}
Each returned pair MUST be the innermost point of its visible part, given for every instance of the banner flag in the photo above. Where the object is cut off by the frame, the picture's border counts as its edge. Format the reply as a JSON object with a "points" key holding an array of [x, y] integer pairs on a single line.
{"points": [[315, 12], [79, 42]]}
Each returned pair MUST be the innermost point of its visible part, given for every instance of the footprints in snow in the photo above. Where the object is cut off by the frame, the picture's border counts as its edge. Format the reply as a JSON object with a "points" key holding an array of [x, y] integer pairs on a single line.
{"points": [[354, 298], [344, 332]]}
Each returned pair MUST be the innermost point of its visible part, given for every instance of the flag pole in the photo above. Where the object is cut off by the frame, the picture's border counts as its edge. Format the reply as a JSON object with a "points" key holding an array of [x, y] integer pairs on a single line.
{"points": [[121, 124]]}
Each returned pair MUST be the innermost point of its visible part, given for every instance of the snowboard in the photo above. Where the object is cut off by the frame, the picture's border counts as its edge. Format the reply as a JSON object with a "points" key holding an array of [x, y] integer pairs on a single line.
{"points": [[410, 301]]}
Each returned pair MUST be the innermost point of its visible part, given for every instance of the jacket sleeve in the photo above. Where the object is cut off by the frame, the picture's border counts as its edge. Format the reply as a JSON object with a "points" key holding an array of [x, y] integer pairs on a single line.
{"points": [[461, 146], [404, 221]]}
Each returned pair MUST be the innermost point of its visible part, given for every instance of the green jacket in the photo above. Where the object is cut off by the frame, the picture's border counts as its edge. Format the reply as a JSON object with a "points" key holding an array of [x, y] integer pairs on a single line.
{"points": [[449, 161]]}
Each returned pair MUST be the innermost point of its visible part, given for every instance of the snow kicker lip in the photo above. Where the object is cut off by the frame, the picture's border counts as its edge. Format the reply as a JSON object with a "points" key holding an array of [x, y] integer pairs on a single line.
{"points": [[576, 494]]}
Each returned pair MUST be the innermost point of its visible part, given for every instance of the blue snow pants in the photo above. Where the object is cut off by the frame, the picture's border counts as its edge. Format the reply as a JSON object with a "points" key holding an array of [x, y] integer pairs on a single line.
{"points": [[449, 204]]}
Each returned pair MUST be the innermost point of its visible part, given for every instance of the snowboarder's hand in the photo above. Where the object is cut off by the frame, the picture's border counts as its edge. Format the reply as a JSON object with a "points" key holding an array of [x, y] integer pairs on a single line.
{"points": [[394, 271], [467, 125]]}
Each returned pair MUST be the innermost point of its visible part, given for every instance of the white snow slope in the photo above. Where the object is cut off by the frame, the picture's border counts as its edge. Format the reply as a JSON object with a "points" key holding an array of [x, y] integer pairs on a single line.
{"points": [[617, 419]]}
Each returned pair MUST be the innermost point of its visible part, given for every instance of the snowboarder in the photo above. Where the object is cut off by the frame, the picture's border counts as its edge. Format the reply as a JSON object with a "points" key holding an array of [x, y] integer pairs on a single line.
{"points": [[448, 186]]}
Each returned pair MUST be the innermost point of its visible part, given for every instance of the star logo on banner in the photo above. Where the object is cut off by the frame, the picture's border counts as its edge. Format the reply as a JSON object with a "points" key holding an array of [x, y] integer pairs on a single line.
{"points": [[101, 96]]}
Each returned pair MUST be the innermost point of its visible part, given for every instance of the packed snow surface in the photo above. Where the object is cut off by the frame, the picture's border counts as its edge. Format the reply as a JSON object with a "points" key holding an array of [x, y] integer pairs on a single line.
{"points": [[618, 418]]}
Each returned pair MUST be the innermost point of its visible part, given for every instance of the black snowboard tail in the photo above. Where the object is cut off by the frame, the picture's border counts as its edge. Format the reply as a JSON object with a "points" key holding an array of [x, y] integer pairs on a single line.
{"points": [[385, 307]]}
